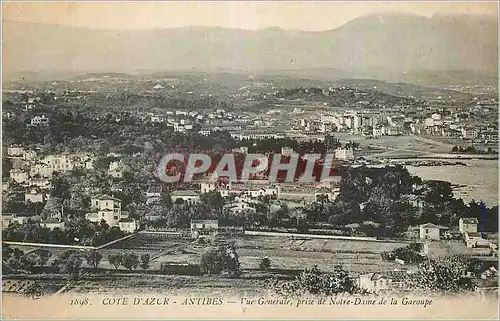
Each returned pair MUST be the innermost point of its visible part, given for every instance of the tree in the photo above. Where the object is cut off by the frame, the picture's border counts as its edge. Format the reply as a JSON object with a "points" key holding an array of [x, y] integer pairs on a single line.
{"points": [[42, 256], [446, 275], [166, 200], [6, 167], [14, 260], [130, 261], [265, 264], [315, 282], [70, 262], [52, 208], [144, 261], [93, 259], [28, 261], [213, 200], [220, 259], [116, 260], [60, 187], [409, 254], [77, 202], [454, 149]]}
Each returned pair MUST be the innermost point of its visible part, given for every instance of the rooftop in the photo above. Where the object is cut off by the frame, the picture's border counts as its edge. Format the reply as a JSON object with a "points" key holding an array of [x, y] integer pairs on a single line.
{"points": [[205, 221], [323, 190], [184, 193], [154, 189], [105, 197], [431, 225], [51, 221]]}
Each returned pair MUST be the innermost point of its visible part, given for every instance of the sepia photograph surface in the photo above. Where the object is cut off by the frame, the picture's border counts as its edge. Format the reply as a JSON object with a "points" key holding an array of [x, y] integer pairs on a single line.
{"points": [[250, 160]]}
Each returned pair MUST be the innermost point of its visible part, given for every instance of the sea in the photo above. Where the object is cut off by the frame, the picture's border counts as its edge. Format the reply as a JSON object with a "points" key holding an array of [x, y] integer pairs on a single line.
{"points": [[476, 181]]}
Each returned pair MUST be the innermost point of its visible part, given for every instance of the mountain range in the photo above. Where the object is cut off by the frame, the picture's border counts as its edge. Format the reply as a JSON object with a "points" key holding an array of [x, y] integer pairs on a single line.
{"points": [[386, 47]]}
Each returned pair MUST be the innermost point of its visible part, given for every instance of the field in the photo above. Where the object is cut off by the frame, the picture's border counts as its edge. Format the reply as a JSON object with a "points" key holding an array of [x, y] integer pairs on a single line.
{"points": [[286, 254]]}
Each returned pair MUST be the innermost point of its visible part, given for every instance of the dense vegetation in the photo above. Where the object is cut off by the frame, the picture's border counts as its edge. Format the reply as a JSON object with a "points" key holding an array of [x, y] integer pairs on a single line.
{"points": [[409, 254], [315, 282], [220, 259], [76, 232]]}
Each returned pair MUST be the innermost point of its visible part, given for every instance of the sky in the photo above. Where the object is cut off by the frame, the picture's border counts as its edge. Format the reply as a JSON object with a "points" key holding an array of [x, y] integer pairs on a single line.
{"points": [[312, 16]]}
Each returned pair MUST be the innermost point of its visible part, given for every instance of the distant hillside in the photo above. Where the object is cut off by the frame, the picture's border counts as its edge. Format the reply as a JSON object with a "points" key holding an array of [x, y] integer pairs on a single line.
{"points": [[387, 47]]}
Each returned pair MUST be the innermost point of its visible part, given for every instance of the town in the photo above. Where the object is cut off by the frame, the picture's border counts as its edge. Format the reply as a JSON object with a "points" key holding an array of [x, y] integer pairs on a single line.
{"points": [[80, 161]]}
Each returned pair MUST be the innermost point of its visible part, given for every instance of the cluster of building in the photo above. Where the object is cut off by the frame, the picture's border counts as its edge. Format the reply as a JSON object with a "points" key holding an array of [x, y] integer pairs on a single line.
{"points": [[32, 169], [468, 231], [34, 172], [429, 232], [244, 196], [377, 124], [103, 207]]}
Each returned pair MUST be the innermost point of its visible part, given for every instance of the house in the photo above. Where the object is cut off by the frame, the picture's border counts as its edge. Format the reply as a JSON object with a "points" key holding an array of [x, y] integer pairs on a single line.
{"points": [[13, 218], [287, 151], [205, 131], [188, 196], [152, 217], [40, 182], [490, 136], [19, 175], [415, 201], [34, 196], [60, 163], [52, 223], [243, 150], [378, 131], [344, 153], [468, 225], [29, 155], [41, 170], [327, 193], [154, 191], [470, 133], [115, 170], [431, 231], [413, 232], [374, 282], [105, 207], [240, 205], [15, 151], [207, 187], [127, 225], [204, 228], [474, 239], [39, 120], [105, 202], [153, 194]]}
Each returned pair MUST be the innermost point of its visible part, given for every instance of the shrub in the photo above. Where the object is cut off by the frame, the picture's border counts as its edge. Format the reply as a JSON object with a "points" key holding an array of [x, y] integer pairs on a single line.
{"points": [[116, 260], [93, 259], [265, 264], [409, 254], [70, 262], [446, 275], [130, 261], [144, 261]]}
